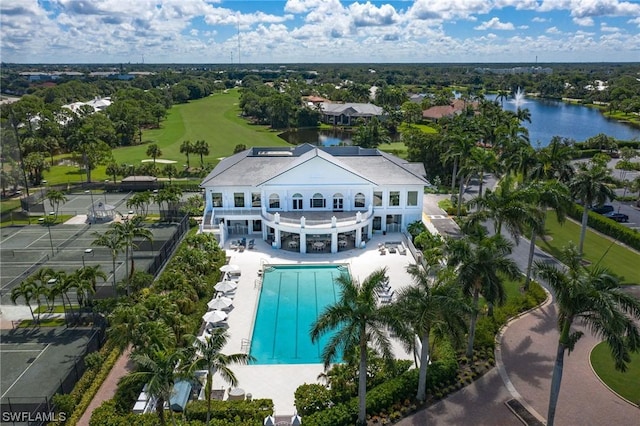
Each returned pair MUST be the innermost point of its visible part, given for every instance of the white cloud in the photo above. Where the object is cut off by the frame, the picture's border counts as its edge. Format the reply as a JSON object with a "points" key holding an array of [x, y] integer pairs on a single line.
{"points": [[495, 24], [448, 9], [315, 31], [584, 22], [607, 29], [593, 8], [364, 15]]}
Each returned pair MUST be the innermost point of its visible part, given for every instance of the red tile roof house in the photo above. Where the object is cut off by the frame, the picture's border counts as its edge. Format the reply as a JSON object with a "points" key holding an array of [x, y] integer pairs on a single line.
{"points": [[437, 112]]}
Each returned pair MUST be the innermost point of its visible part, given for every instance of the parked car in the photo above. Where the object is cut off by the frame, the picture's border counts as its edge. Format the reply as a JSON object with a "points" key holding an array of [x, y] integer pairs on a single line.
{"points": [[618, 217], [603, 209]]}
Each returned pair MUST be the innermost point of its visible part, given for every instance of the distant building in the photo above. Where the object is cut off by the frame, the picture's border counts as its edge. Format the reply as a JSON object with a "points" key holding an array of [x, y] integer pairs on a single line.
{"points": [[347, 114], [456, 107]]}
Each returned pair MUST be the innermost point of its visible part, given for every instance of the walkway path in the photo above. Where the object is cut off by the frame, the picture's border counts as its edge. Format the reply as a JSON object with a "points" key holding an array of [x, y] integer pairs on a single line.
{"points": [[122, 367], [528, 348]]}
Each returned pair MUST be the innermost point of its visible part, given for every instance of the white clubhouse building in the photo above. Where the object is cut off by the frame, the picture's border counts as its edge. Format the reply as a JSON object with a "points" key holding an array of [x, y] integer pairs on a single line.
{"points": [[312, 199]]}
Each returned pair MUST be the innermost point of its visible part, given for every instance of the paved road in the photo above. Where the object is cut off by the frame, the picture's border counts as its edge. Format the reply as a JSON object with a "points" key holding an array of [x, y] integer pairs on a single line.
{"points": [[528, 348]]}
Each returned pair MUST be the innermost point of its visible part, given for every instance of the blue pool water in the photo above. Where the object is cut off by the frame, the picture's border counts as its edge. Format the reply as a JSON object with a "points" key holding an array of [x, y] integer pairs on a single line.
{"points": [[291, 299]]}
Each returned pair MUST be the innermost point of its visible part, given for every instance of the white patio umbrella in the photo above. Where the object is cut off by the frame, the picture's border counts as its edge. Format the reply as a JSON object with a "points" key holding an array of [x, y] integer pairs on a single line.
{"points": [[214, 316], [225, 286], [220, 303], [269, 421], [230, 268]]}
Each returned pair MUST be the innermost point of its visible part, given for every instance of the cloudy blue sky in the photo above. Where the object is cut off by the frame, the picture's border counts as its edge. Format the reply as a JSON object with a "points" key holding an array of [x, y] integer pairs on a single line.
{"points": [[299, 31]]}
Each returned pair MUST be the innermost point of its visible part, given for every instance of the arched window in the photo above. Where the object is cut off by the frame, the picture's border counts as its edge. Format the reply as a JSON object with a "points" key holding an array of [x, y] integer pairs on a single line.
{"points": [[297, 201], [358, 200], [317, 201], [274, 201], [338, 202]]}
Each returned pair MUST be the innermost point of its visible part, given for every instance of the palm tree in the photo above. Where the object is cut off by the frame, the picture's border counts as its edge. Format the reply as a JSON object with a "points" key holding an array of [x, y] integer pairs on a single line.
{"points": [[140, 202], [590, 186], [27, 290], [432, 304], [170, 194], [55, 198], [87, 281], [159, 368], [481, 267], [127, 232], [554, 161], [186, 147], [544, 195], [201, 147], [170, 171], [591, 296], [131, 325], [483, 160], [208, 356], [358, 321], [507, 206], [112, 241], [154, 152]]}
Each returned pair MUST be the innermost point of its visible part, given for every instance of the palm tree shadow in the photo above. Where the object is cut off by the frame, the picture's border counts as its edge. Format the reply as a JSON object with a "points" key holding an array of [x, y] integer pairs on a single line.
{"points": [[481, 401]]}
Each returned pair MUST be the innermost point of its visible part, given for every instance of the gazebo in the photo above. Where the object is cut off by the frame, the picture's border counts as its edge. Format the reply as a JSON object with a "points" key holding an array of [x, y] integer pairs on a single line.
{"points": [[101, 211]]}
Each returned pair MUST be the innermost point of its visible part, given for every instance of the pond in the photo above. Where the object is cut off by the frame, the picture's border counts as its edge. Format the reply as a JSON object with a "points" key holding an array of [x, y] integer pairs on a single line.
{"points": [[548, 119], [555, 118], [317, 137]]}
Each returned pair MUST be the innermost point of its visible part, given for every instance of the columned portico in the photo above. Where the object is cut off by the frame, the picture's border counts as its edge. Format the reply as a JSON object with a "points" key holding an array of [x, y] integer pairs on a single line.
{"points": [[312, 199]]}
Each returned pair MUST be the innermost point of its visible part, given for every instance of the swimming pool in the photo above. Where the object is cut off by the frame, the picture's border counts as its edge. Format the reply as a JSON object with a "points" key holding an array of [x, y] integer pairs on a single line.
{"points": [[290, 301]]}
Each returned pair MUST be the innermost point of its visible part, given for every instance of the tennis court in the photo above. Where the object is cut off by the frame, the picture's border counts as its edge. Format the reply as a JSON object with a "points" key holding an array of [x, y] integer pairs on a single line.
{"points": [[26, 249], [37, 363]]}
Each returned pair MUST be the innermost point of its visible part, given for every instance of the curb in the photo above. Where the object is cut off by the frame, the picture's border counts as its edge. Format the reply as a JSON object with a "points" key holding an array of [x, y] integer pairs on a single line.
{"points": [[604, 384]]}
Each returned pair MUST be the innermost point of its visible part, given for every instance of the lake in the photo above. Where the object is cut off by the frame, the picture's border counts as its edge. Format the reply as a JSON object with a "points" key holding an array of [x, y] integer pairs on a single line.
{"points": [[555, 118], [548, 118]]}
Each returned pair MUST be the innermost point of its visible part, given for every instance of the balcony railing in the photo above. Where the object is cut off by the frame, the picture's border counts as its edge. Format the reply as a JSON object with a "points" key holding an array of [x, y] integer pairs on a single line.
{"points": [[333, 217]]}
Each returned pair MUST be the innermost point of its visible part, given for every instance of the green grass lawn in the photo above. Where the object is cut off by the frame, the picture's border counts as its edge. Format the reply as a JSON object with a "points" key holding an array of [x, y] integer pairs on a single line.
{"points": [[618, 259], [8, 205], [53, 322], [214, 119], [624, 384], [20, 219]]}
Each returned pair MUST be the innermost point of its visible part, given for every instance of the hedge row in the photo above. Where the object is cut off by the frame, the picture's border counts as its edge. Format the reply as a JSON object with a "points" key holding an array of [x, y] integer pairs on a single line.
{"points": [[628, 236], [395, 391], [231, 412], [88, 395]]}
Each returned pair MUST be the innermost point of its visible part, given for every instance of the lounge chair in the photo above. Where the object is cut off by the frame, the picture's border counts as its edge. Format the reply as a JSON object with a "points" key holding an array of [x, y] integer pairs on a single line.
{"points": [[402, 250], [233, 245], [252, 243]]}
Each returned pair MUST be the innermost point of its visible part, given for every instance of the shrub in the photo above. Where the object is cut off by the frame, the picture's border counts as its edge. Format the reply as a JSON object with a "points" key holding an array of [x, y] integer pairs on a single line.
{"points": [[64, 403], [93, 360], [630, 237], [88, 395], [310, 398], [233, 412], [107, 415], [127, 392]]}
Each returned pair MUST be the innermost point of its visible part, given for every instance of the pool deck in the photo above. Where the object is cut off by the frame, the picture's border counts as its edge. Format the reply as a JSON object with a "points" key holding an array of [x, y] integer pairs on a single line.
{"points": [[279, 382]]}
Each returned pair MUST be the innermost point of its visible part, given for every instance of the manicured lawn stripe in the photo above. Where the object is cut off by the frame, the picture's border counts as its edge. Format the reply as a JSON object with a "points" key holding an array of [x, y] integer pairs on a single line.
{"points": [[625, 384], [618, 259]]}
